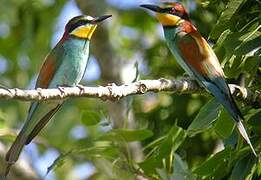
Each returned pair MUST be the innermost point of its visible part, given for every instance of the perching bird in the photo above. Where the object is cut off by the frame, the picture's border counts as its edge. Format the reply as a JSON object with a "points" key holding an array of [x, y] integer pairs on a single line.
{"points": [[64, 66], [196, 57]]}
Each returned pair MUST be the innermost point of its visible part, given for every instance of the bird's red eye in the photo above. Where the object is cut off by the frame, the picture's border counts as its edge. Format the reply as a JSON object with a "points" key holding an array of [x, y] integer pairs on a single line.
{"points": [[173, 10]]}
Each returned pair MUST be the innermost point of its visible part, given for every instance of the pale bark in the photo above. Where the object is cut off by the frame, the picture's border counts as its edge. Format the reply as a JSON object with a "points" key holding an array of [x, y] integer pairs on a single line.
{"points": [[115, 92]]}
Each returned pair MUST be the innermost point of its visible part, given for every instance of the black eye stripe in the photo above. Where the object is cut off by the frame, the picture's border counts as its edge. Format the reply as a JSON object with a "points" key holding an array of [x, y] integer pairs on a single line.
{"points": [[77, 24], [166, 10]]}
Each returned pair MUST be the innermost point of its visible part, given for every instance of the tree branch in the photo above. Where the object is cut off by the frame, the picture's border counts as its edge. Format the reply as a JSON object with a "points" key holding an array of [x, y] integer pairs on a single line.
{"points": [[113, 92]]}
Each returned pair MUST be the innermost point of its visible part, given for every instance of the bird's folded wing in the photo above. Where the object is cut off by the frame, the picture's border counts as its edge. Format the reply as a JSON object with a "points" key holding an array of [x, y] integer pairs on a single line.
{"points": [[50, 67], [202, 61], [42, 122]]}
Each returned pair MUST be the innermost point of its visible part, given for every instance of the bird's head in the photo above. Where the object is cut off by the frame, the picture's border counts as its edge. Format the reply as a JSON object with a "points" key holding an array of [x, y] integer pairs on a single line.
{"points": [[83, 26], [170, 14]]}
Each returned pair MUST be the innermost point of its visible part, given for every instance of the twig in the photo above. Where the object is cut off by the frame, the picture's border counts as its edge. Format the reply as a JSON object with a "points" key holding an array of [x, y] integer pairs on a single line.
{"points": [[114, 92]]}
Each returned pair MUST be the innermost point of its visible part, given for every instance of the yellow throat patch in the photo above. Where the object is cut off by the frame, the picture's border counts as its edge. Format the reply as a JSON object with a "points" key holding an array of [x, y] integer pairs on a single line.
{"points": [[84, 32], [168, 19]]}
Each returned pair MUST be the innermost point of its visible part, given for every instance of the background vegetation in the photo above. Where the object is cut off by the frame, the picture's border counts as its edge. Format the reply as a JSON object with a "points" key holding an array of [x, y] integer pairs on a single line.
{"points": [[155, 136]]}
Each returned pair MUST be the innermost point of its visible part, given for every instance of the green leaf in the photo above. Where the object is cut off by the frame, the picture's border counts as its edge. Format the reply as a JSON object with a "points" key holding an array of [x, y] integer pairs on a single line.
{"points": [[239, 46], [106, 149], [7, 134], [219, 48], [244, 168], [241, 43], [151, 164], [180, 170], [58, 162], [232, 140], [224, 125], [225, 18], [249, 45], [207, 115], [221, 40], [259, 169], [90, 118], [255, 122], [3, 117], [251, 65], [163, 150], [111, 170], [127, 135], [216, 166], [173, 140]]}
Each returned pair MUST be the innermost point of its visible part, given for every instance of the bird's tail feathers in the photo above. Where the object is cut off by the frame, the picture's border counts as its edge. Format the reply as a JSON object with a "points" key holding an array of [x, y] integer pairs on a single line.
{"points": [[243, 132], [237, 115], [13, 153]]}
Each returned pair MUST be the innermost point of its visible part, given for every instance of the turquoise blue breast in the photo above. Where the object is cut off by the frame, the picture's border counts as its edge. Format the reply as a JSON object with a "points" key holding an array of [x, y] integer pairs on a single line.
{"points": [[74, 53]]}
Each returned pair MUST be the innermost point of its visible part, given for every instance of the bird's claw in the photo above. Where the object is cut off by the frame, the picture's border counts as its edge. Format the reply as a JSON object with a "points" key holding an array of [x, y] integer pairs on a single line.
{"points": [[40, 92], [188, 78], [111, 84], [2, 87], [81, 87], [61, 89]]}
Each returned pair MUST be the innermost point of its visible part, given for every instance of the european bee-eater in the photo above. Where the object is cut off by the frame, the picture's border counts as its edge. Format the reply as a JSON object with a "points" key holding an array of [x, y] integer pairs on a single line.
{"points": [[196, 57], [64, 66]]}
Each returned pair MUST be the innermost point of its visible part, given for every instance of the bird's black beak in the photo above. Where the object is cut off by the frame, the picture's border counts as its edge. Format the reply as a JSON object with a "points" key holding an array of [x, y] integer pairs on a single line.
{"points": [[100, 19], [152, 7]]}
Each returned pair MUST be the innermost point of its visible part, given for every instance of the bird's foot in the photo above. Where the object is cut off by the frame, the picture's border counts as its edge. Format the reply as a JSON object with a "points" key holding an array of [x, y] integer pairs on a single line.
{"points": [[5, 88], [111, 84], [115, 93], [188, 78], [41, 94], [61, 89], [81, 88]]}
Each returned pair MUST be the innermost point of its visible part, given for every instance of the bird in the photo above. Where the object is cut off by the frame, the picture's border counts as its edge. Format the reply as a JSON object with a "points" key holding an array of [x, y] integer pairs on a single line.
{"points": [[63, 66], [196, 57]]}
